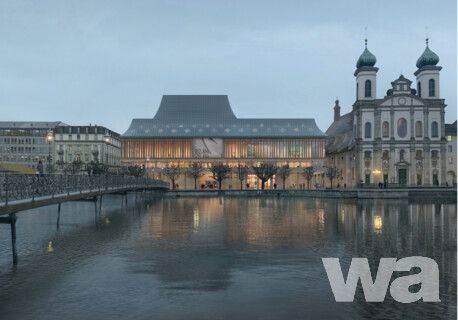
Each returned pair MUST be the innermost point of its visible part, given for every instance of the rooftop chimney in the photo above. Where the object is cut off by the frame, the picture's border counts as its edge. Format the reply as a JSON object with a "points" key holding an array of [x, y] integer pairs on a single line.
{"points": [[337, 111]]}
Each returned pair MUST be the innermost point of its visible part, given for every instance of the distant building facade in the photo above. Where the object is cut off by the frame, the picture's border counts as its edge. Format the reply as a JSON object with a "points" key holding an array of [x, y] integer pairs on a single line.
{"points": [[450, 134], [86, 144], [398, 140], [203, 129], [26, 143]]}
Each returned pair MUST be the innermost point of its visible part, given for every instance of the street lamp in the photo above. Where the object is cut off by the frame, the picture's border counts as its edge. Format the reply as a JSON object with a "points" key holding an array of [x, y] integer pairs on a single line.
{"points": [[49, 138], [146, 160]]}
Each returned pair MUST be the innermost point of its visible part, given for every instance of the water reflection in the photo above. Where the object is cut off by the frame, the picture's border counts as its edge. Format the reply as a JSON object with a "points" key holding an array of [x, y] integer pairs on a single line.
{"points": [[229, 258]]}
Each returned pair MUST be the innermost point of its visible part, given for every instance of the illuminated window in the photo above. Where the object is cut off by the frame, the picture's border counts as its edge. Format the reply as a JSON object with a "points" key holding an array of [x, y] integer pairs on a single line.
{"points": [[450, 160], [449, 138]]}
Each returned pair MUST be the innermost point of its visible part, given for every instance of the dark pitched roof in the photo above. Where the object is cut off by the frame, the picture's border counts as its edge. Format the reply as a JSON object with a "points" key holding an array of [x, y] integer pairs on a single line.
{"points": [[450, 129], [185, 116], [340, 135], [30, 124]]}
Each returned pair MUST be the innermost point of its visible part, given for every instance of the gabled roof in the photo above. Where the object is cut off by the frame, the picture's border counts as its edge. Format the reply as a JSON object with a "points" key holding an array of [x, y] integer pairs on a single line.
{"points": [[340, 135], [186, 116]]}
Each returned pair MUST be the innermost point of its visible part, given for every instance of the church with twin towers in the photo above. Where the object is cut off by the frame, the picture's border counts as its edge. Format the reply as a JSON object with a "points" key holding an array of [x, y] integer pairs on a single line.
{"points": [[399, 139]]}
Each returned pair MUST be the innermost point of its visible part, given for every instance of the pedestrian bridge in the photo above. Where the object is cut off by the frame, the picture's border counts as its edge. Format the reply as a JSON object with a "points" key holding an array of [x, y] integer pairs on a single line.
{"points": [[20, 192], [27, 191]]}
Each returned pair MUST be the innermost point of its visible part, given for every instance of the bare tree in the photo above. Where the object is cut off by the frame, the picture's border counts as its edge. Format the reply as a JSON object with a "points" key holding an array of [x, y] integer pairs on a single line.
{"points": [[331, 173], [242, 174], [195, 171], [308, 172], [284, 172], [264, 172], [172, 172], [220, 172]]}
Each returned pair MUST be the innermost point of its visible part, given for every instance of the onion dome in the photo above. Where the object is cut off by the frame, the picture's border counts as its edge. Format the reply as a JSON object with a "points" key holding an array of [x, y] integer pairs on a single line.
{"points": [[428, 58], [367, 59]]}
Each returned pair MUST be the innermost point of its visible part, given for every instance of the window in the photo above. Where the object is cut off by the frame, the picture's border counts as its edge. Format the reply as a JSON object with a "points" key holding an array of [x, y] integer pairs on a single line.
{"points": [[419, 89], [434, 130], [432, 87], [449, 138], [70, 137], [367, 130], [450, 148], [87, 137], [367, 154], [418, 131], [385, 154], [450, 160], [418, 154], [434, 154], [402, 127], [402, 155], [385, 129], [78, 137], [367, 88]]}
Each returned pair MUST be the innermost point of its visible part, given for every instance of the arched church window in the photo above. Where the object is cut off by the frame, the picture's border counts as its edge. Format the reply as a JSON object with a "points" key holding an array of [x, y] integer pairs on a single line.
{"points": [[367, 130], [402, 127], [432, 87], [367, 154], [367, 88], [434, 130], [385, 129], [385, 154], [419, 89], [434, 154], [418, 129]]}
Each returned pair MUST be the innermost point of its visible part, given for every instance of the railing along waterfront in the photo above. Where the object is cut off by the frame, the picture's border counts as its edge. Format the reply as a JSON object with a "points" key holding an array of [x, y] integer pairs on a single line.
{"points": [[15, 187]]}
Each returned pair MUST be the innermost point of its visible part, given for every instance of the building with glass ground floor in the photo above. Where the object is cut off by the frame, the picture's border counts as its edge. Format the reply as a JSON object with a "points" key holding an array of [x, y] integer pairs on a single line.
{"points": [[203, 129]]}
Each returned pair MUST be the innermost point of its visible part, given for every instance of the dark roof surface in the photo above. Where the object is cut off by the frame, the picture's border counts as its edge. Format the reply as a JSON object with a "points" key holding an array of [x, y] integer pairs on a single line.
{"points": [[30, 124], [185, 116], [450, 129], [341, 135]]}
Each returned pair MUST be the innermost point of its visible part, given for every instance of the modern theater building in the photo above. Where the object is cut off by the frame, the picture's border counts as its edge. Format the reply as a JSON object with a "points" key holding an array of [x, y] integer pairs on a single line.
{"points": [[204, 129]]}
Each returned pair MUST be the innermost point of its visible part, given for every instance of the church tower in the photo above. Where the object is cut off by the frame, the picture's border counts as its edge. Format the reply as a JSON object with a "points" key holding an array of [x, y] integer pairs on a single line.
{"points": [[366, 75], [428, 74]]}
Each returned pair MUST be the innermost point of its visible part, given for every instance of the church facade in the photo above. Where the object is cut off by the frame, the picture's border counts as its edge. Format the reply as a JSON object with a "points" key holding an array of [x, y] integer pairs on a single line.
{"points": [[398, 140]]}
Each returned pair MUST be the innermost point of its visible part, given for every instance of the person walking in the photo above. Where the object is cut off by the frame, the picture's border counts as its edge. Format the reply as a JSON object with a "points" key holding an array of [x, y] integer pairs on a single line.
{"points": [[40, 167]]}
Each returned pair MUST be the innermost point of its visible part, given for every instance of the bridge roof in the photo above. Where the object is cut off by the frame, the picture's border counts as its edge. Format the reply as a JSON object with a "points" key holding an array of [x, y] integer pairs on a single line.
{"points": [[182, 116]]}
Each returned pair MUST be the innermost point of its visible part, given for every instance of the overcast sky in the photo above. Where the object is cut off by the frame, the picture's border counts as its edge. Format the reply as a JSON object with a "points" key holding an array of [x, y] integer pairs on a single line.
{"points": [[107, 62]]}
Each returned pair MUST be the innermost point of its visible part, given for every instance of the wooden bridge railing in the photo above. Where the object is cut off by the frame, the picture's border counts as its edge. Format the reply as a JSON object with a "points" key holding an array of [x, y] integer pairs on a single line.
{"points": [[30, 186]]}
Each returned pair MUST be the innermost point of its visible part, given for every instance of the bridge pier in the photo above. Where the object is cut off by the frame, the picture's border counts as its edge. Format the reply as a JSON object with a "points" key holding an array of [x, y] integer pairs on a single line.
{"points": [[58, 215], [11, 219]]}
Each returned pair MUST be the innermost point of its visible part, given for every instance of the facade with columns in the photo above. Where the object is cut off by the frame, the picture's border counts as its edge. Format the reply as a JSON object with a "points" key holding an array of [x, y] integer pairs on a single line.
{"points": [[396, 140]]}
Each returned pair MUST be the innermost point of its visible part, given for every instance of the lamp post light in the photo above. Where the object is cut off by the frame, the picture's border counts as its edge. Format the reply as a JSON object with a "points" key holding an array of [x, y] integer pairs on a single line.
{"points": [[49, 138], [145, 165]]}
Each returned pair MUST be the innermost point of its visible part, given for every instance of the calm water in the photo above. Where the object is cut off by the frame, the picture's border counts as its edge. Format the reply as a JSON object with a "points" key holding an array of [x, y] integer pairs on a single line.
{"points": [[217, 258]]}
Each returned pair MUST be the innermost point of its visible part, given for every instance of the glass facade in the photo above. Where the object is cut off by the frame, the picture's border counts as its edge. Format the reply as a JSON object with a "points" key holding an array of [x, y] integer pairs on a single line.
{"points": [[233, 149]]}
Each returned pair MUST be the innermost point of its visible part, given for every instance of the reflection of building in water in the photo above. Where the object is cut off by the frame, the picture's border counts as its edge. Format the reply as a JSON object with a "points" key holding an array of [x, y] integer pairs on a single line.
{"points": [[208, 230]]}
